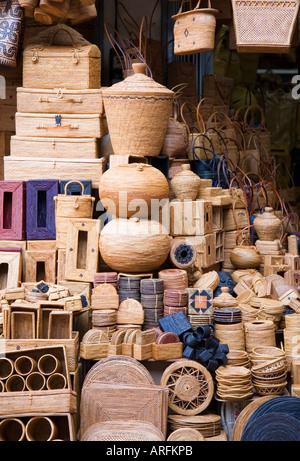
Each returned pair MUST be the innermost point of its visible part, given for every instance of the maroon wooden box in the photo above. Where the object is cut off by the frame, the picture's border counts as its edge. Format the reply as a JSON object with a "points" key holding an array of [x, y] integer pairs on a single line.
{"points": [[12, 210]]}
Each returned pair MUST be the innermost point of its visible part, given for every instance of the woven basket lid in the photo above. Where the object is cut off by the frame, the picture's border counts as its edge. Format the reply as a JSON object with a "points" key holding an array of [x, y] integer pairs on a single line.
{"points": [[225, 299], [272, 427], [209, 280], [138, 84]]}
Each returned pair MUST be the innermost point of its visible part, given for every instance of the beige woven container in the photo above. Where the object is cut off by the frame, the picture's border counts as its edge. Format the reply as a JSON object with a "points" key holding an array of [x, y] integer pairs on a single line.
{"points": [[137, 111], [134, 246], [264, 26], [51, 63], [232, 335], [70, 206], [47, 101], [194, 30], [259, 333]]}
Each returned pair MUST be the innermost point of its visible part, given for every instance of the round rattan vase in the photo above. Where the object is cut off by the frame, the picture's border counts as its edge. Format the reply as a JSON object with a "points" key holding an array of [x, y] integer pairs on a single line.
{"points": [[267, 225], [125, 190], [138, 111], [134, 246], [245, 257], [186, 184]]}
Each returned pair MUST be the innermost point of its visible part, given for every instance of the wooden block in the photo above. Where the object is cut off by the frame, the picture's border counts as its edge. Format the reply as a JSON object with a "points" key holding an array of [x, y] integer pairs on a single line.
{"points": [[40, 209], [10, 269], [60, 325], [293, 261], [292, 278], [142, 352], [40, 265], [191, 218], [217, 218], [61, 264], [293, 245], [23, 325], [167, 351], [41, 245], [94, 351], [77, 288], [12, 210], [82, 254], [219, 246]]}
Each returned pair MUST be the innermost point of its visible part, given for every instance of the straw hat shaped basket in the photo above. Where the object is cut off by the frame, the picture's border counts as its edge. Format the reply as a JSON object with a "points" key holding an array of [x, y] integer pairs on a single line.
{"points": [[264, 26], [194, 30]]}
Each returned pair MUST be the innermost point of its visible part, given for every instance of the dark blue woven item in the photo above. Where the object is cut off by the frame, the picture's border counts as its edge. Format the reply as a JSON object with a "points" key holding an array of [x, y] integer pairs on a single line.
{"points": [[272, 427], [225, 280]]}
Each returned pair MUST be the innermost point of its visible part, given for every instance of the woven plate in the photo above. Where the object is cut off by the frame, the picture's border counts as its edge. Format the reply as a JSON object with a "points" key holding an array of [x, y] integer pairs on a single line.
{"points": [[273, 427], [190, 385], [118, 369], [186, 435], [243, 417], [122, 431]]}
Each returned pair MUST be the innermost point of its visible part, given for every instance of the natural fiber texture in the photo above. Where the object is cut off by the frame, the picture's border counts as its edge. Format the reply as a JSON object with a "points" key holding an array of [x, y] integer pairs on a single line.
{"points": [[122, 431], [194, 31], [137, 113], [41, 57], [209, 425], [259, 332], [185, 435], [107, 401], [251, 32], [123, 184], [190, 387], [272, 427], [134, 246], [12, 23]]}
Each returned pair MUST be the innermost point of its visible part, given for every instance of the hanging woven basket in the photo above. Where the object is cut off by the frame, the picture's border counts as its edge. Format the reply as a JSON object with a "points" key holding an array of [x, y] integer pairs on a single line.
{"points": [[264, 26], [194, 30]]}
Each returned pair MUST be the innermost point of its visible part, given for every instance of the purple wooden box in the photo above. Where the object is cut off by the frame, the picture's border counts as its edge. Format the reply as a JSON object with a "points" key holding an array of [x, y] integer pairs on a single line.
{"points": [[40, 209]]}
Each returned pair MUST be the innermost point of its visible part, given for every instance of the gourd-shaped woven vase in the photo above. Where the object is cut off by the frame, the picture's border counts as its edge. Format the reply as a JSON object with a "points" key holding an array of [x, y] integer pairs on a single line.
{"points": [[127, 189], [267, 225], [138, 111], [185, 184]]}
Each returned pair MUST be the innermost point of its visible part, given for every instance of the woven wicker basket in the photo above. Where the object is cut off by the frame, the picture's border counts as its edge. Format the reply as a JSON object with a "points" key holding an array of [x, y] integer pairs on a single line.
{"points": [[137, 111], [264, 26], [194, 30]]}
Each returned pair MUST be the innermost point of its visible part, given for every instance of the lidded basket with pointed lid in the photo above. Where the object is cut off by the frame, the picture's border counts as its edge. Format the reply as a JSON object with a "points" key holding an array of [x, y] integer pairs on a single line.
{"points": [[138, 111], [185, 184], [267, 225]]}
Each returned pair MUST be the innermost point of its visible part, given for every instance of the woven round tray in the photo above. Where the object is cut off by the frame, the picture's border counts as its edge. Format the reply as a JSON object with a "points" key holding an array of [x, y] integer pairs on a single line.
{"points": [[273, 427], [122, 431], [243, 417], [118, 369], [191, 387], [186, 435]]}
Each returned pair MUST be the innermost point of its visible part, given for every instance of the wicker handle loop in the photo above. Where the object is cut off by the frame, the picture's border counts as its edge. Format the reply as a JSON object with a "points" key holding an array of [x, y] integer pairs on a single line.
{"points": [[62, 30], [61, 100], [77, 182]]}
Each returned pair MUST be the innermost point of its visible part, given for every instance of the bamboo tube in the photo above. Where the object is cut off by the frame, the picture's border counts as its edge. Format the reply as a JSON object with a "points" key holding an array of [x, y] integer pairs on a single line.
{"points": [[49, 364], [12, 430], [15, 383], [35, 381], [6, 367], [40, 429], [56, 381], [25, 365]]}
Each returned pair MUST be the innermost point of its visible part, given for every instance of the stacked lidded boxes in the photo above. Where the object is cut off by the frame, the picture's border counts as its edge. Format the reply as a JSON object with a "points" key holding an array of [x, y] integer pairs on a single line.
{"points": [[60, 116]]}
